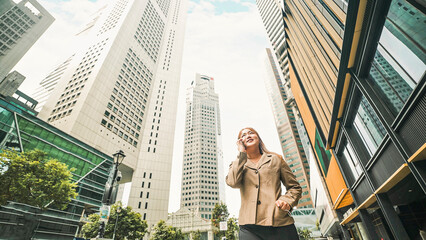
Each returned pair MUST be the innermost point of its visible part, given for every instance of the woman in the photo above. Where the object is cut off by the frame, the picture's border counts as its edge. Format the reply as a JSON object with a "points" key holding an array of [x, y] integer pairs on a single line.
{"points": [[258, 173]]}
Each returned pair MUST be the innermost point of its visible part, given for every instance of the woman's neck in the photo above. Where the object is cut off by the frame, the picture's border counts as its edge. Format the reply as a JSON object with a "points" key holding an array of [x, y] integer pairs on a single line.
{"points": [[254, 154]]}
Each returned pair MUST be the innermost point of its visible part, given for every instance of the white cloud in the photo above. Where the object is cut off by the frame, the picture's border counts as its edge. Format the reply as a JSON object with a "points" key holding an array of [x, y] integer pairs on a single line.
{"points": [[231, 48]]}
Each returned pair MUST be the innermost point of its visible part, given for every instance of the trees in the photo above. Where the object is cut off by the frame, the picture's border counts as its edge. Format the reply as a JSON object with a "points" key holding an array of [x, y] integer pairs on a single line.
{"points": [[196, 235], [31, 178], [129, 224], [220, 213], [304, 234], [232, 229], [162, 231]]}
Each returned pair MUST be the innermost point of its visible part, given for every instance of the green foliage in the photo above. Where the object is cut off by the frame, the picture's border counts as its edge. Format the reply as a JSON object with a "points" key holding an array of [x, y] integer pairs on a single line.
{"points": [[162, 231], [129, 224], [304, 234], [33, 179], [196, 235], [90, 229], [232, 229], [220, 213]]}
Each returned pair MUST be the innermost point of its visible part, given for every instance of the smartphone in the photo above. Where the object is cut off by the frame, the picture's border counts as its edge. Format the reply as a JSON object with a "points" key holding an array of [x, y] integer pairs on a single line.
{"points": [[243, 143]]}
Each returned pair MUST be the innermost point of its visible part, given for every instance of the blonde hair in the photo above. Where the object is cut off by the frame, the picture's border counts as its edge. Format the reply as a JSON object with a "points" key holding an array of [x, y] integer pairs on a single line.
{"points": [[262, 147]]}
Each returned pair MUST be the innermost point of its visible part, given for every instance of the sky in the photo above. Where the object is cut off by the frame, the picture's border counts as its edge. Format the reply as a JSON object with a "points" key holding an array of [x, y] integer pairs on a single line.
{"points": [[224, 39]]}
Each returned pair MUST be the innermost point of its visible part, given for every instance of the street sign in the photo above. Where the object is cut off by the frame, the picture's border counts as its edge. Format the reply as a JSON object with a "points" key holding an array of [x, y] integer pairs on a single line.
{"points": [[104, 212], [223, 226]]}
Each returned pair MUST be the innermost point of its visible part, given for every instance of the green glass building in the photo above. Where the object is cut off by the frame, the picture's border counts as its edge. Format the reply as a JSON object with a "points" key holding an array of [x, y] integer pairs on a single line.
{"points": [[21, 131]]}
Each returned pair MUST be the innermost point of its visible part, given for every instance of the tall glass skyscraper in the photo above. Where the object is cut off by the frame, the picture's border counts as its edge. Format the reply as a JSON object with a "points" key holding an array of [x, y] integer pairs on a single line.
{"points": [[120, 92], [285, 117], [202, 174]]}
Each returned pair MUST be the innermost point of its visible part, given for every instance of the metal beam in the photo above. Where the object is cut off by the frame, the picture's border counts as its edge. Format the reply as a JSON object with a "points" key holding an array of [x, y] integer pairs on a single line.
{"points": [[392, 219]]}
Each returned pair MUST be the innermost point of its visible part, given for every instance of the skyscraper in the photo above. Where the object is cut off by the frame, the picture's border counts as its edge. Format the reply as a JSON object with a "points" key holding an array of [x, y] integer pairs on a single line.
{"points": [[120, 92], [48, 84], [202, 171], [271, 12], [357, 72], [21, 24], [285, 121]]}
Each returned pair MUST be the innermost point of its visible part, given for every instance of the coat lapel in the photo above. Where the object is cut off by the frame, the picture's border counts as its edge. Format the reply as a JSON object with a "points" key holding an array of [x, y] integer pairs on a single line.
{"points": [[263, 160], [266, 157], [251, 165]]}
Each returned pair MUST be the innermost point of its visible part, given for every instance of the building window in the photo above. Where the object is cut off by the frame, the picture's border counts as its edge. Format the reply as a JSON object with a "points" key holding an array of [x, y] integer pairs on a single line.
{"points": [[354, 162], [399, 62], [368, 126]]}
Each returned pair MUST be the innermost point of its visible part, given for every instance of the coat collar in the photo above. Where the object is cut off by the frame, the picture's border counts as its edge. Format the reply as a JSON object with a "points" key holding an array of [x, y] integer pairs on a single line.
{"points": [[266, 157]]}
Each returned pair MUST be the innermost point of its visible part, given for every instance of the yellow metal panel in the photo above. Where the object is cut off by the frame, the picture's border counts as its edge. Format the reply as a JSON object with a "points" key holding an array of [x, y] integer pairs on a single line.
{"points": [[334, 180], [337, 10], [419, 155], [309, 82], [347, 200], [336, 37], [323, 123], [357, 32], [341, 107], [394, 179], [316, 33], [308, 121], [350, 217], [351, 62], [370, 200]]}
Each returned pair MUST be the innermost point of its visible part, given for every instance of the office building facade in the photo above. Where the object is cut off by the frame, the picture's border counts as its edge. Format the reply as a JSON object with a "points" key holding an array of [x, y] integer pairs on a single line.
{"points": [[202, 171], [21, 24], [285, 121], [21, 131], [120, 92], [48, 84], [357, 72]]}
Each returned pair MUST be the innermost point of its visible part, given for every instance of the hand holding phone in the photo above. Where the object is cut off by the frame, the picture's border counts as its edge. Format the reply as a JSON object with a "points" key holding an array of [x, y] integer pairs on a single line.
{"points": [[241, 145]]}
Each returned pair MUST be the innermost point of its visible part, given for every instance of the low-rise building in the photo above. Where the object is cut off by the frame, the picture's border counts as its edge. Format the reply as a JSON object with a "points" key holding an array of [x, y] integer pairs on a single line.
{"points": [[21, 131]]}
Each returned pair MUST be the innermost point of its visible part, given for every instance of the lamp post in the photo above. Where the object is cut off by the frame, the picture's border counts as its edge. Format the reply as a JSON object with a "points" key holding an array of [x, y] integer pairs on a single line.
{"points": [[116, 220], [109, 188], [118, 159]]}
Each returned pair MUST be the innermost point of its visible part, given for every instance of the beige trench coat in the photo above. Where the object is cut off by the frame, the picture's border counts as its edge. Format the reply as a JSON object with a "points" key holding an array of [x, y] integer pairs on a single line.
{"points": [[260, 187]]}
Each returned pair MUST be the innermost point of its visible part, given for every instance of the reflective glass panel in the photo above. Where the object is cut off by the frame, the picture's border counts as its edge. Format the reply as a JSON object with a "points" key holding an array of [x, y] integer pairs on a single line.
{"points": [[399, 62], [368, 126], [352, 161]]}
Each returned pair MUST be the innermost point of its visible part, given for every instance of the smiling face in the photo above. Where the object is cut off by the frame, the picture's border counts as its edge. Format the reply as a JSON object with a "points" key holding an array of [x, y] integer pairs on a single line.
{"points": [[249, 138]]}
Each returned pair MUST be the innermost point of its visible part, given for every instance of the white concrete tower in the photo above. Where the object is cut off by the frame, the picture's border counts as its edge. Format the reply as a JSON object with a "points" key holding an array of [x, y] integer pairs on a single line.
{"points": [[202, 176], [48, 84], [121, 90]]}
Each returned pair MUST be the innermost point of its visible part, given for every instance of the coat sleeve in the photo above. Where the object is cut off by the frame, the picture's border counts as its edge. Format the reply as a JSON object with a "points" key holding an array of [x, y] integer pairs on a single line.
{"points": [[235, 175], [294, 190]]}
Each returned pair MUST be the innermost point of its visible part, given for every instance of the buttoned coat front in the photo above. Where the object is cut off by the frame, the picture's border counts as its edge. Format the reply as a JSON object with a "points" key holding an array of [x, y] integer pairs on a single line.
{"points": [[260, 187]]}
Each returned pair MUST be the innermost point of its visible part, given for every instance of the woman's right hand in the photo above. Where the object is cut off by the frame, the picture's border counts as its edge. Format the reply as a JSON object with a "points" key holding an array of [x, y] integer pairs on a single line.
{"points": [[241, 146]]}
